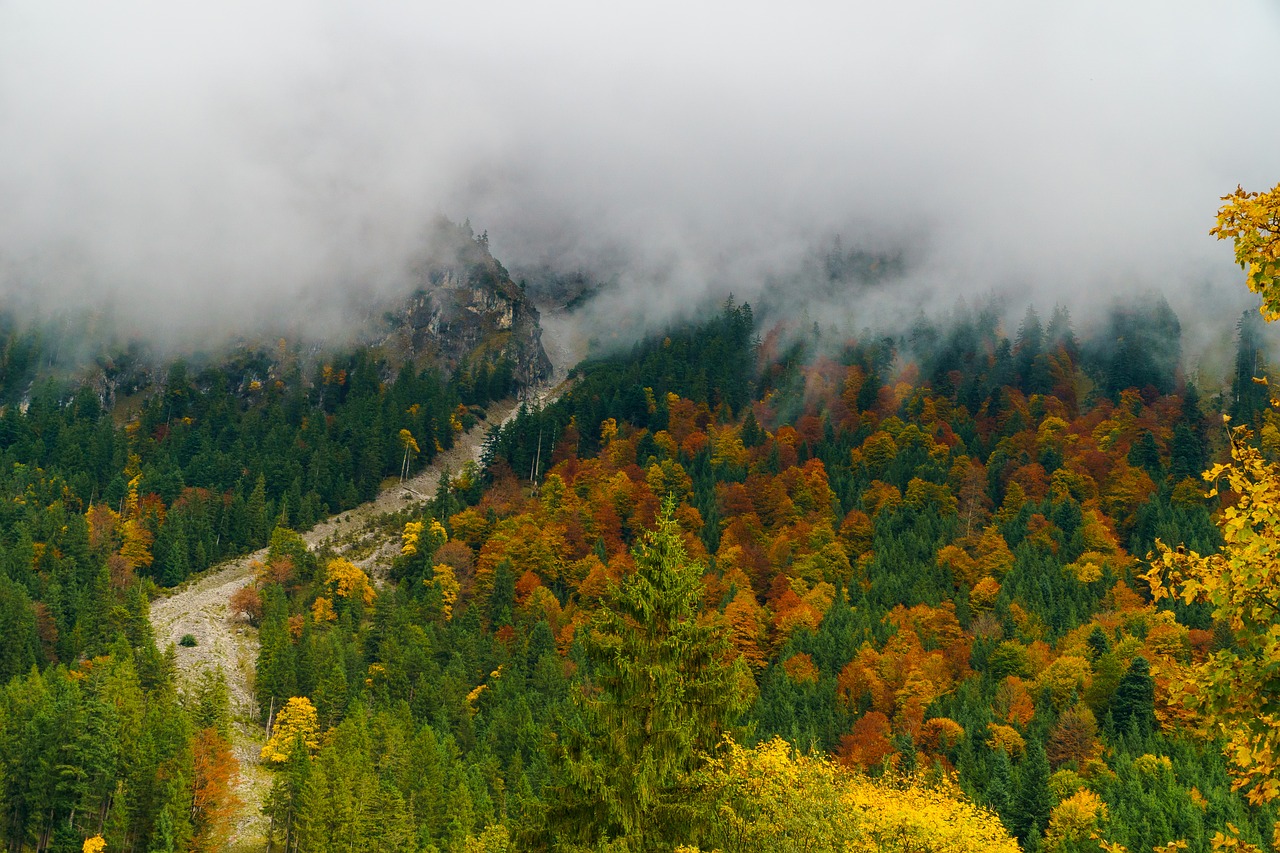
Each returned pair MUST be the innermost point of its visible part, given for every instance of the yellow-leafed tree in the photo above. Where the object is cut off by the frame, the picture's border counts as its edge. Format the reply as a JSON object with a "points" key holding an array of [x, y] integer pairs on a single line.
{"points": [[410, 445], [297, 719], [1075, 820], [1233, 689], [347, 580], [770, 798], [449, 587], [1252, 221]]}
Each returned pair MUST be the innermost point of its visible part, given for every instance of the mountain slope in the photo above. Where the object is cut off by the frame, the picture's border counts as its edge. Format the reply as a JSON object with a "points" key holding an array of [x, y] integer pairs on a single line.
{"points": [[201, 608]]}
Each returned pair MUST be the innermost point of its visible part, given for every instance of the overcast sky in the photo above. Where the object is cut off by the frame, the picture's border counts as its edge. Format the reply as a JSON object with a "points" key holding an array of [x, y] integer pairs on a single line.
{"points": [[198, 163]]}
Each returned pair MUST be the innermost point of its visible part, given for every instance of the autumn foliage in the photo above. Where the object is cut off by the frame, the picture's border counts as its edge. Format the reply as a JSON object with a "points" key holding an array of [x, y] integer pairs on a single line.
{"points": [[771, 798], [1231, 689], [296, 723], [915, 556], [213, 799]]}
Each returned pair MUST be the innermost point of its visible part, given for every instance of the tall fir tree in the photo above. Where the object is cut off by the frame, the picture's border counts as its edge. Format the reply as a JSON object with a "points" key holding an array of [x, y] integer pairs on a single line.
{"points": [[1133, 704], [658, 695], [1029, 811]]}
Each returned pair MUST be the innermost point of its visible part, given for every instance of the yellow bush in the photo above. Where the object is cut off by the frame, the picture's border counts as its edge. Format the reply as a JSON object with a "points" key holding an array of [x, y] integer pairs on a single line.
{"points": [[772, 799]]}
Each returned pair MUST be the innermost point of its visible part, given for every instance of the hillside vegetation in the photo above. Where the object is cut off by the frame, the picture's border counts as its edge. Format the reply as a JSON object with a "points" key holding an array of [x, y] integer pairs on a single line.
{"points": [[735, 589]]}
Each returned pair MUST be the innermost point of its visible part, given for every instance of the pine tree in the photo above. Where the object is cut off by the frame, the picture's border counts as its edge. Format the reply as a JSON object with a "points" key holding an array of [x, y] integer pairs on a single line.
{"points": [[331, 696], [18, 627], [752, 434], [1097, 643], [1000, 782], [283, 801], [1248, 397]]}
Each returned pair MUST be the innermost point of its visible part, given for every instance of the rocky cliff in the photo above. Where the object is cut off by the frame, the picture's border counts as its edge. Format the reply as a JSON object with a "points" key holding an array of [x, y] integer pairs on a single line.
{"points": [[457, 309], [465, 309]]}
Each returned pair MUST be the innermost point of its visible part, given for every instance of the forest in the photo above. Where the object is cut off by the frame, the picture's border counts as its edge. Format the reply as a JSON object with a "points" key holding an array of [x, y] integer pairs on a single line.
{"points": [[737, 588]]}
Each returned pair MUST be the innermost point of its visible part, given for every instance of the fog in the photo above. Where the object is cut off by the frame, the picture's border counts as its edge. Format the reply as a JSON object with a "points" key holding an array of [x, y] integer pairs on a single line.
{"points": [[189, 168]]}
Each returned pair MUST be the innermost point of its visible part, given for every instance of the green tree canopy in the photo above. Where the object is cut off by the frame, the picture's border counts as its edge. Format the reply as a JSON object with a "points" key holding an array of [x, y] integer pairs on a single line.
{"points": [[657, 696]]}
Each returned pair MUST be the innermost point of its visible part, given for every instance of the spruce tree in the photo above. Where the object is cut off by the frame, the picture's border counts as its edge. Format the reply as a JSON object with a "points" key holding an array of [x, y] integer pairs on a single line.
{"points": [[999, 783], [18, 627], [657, 695], [503, 598], [1029, 811], [1134, 701], [257, 513], [1097, 643], [211, 705]]}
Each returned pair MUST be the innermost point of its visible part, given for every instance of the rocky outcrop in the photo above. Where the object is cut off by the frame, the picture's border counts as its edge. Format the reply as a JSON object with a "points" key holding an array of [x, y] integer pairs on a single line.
{"points": [[466, 310], [458, 310]]}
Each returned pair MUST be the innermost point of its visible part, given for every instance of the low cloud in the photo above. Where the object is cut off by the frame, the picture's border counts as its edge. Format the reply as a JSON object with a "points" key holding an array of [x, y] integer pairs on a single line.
{"points": [[193, 168]]}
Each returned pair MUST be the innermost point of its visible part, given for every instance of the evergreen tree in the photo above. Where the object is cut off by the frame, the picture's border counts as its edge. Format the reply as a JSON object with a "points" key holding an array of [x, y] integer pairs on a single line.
{"points": [[1029, 811], [1060, 332], [18, 628], [1133, 703], [752, 434], [503, 598], [212, 703], [1097, 643], [657, 695], [1186, 453], [257, 513], [1145, 454], [999, 782], [1248, 396]]}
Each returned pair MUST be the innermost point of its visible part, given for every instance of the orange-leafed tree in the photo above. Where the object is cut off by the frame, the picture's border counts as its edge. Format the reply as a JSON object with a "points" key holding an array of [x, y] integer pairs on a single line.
{"points": [[801, 669], [246, 603], [746, 619], [528, 544], [103, 526], [940, 735], [136, 545], [213, 798], [1074, 738], [867, 745], [1013, 701]]}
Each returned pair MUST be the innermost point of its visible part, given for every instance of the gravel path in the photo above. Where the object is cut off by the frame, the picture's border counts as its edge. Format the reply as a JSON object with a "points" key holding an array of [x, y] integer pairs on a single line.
{"points": [[200, 608]]}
